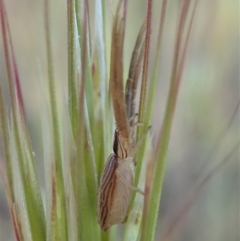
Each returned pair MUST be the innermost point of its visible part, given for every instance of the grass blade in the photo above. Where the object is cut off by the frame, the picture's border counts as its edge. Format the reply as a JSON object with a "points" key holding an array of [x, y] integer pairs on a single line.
{"points": [[58, 212], [151, 204]]}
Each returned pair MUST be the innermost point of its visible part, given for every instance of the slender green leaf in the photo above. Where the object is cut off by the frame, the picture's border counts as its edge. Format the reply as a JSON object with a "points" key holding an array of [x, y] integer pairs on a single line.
{"points": [[58, 213], [151, 204]]}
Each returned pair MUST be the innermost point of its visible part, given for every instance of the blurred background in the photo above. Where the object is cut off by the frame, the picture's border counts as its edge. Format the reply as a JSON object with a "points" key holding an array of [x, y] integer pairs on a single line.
{"points": [[208, 96]]}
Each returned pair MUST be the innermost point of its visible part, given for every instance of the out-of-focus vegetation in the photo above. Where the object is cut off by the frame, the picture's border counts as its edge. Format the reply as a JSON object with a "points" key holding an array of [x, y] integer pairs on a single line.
{"points": [[208, 95]]}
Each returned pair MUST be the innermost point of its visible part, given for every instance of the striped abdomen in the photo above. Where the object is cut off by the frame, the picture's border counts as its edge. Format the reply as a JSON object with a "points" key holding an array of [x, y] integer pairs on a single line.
{"points": [[114, 195]]}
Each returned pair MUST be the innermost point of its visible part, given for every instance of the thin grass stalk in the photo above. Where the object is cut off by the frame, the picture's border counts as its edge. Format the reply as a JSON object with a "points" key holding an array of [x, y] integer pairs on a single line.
{"points": [[16, 227], [48, 153], [2, 174], [77, 173], [72, 94], [17, 82], [91, 180], [3, 116], [18, 235], [82, 172], [5, 180], [144, 83], [151, 207], [81, 198], [27, 170], [91, 176], [88, 83], [185, 44], [91, 160], [69, 151], [89, 88], [74, 70], [144, 90], [6, 151], [17, 223], [59, 217], [80, 10], [26, 137], [156, 62], [22, 192], [101, 60]]}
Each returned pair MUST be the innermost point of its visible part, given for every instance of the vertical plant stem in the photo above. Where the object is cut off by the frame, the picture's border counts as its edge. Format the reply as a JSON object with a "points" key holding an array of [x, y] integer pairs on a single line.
{"points": [[72, 94], [59, 217], [154, 78], [144, 86], [6, 151], [26, 166], [144, 91], [12, 102], [151, 204]]}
